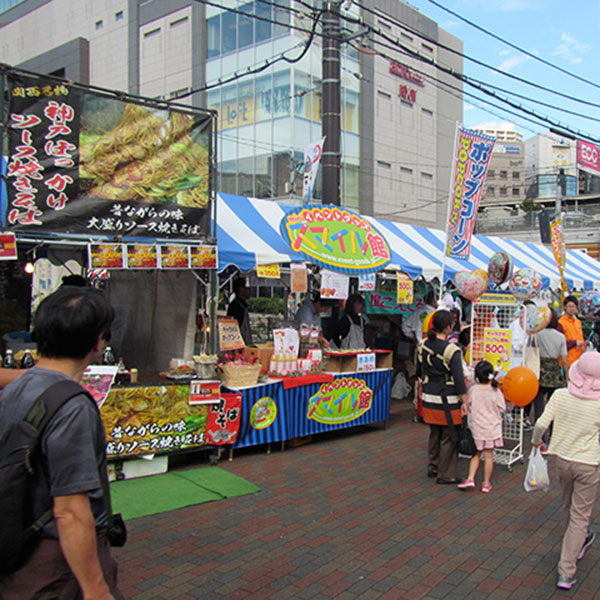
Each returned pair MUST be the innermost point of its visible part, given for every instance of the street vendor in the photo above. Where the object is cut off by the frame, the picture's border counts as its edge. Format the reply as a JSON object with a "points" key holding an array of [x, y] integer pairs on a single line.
{"points": [[310, 313], [238, 308], [351, 327]]}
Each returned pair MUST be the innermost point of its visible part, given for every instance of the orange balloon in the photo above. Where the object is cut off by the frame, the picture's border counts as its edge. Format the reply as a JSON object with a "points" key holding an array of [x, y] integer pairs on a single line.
{"points": [[427, 322], [520, 386]]}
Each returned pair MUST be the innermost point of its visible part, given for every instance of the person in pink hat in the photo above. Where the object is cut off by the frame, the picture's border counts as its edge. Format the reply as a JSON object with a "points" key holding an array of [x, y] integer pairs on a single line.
{"points": [[575, 412]]}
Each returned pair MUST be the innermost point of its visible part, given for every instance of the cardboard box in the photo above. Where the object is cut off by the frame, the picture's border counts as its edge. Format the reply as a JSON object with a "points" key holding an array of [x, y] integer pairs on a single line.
{"points": [[348, 363], [262, 352]]}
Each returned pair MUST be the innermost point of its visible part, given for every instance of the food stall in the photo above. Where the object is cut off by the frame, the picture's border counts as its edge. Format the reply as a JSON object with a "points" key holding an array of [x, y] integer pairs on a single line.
{"points": [[123, 185]]}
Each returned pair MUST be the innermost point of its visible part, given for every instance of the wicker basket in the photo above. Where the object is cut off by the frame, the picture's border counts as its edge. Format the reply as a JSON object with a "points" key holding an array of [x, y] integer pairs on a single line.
{"points": [[234, 375]]}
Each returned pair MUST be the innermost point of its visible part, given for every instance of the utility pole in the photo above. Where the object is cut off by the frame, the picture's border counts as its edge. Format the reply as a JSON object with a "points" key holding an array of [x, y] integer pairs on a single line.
{"points": [[330, 113]]}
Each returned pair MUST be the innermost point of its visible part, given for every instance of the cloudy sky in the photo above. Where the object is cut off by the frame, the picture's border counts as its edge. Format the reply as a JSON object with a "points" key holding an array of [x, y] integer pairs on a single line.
{"points": [[563, 33]]}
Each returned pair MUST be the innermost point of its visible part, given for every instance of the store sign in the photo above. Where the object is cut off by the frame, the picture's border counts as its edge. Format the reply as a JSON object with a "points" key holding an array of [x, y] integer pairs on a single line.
{"points": [[336, 239], [588, 157], [223, 421], [365, 363], [386, 303], [205, 391], [268, 271], [142, 256], [340, 401], [106, 256], [406, 73], [203, 257], [367, 283], [404, 288], [174, 257], [230, 337], [263, 413], [497, 298], [84, 162], [408, 93]]}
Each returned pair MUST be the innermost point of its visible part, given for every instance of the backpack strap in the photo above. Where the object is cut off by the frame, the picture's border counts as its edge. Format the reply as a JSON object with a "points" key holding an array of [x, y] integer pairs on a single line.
{"points": [[44, 408]]}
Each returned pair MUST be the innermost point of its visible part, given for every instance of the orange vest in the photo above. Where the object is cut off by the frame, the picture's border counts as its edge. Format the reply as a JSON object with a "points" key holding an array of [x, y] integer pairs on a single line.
{"points": [[573, 331]]}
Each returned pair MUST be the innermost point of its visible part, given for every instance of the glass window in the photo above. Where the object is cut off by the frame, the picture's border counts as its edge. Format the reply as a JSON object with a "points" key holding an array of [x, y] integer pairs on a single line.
{"points": [[229, 30], [281, 15], [350, 111], [491, 173], [213, 36], [503, 174], [262, 29], [426, 175], [246, 25], [302, 86], [406, 171], [118, 15], [99, 24], [264, 98], [516, 174], [516, 191], [503, 191], [281, 94], [491, 191]]}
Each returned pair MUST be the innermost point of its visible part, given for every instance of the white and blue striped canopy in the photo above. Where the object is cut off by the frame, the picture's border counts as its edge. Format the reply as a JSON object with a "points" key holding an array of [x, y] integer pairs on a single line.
{"points": [[248, 235]]}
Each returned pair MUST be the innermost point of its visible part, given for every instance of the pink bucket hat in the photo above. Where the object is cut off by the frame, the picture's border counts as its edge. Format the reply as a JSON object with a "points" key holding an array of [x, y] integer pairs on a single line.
{"points": [[584, 377]]}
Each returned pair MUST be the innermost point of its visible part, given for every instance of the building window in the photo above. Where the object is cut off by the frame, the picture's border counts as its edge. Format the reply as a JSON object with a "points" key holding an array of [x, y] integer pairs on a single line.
{"points": [[384, 165], [406, 103], [503, 174], [384, 95], [118, 15], [406, 171], [384, 25], [426, 47], [152, 32], [516, 191], [426, 175], [99, 24], [491, 191], [503, 191], [427, 112], [491, 174], [516, 175], [178, 22], [405, 36]]}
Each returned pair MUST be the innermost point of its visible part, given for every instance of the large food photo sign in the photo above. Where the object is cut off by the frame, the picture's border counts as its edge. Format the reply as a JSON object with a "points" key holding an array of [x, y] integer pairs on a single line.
{"points": [[90, 163]]}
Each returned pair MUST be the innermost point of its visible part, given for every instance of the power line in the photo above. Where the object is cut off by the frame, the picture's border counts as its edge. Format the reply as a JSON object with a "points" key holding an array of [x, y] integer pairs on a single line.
{"points": [[514, 46]]}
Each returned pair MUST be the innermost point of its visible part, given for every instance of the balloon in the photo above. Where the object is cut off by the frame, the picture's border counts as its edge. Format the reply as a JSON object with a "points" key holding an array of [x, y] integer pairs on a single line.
{"points": [[589, 306], [500, 268], [556, 304], [525, 284], [471, 285], [520, 386], [427, 322], [534, 318]]}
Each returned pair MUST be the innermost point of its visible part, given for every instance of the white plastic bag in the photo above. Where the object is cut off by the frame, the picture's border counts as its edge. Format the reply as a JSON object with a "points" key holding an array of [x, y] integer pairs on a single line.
{"points": [[536, 477], [400, 389]]}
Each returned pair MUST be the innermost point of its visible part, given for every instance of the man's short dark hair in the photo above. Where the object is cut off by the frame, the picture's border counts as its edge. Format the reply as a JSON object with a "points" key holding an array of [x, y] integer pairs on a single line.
{"points": [[570, 299], [238, 284], [68, 322]]}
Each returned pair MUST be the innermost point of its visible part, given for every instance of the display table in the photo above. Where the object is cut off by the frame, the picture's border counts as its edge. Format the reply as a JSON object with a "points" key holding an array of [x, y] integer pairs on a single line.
{"points": [[271, 413]]}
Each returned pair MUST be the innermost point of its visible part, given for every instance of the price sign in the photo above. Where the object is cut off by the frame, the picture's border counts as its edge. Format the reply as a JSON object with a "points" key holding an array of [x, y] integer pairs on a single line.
{"points": [[365, 362], [205, 391], [496, 347], [174, 257], [203, 257], [366, 283], [298, 278], [230, 337], [404, 289], [106, 256], [268, 271]]}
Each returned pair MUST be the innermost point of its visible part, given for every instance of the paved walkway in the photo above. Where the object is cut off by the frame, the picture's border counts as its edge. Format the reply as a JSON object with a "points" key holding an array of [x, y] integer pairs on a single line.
{"points": [[351, 516]]}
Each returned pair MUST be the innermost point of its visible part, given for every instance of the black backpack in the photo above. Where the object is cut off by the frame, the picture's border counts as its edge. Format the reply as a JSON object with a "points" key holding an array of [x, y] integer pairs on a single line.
{"points": [[19, 457]]}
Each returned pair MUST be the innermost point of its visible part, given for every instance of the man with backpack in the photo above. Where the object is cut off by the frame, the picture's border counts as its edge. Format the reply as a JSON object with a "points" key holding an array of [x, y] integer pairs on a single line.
{"points": [[69, 556]]}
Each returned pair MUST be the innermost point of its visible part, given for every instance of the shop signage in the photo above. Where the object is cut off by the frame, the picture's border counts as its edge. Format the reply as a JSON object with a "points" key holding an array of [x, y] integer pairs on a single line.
{"points": [[223, 420], [496, 347], [497, 297], [85, 162], [408, 93], [367, 283], [336, 239], [263, 413], [406, 73], [334, 286], [379, 303], [203, 257], [205, 391], [230, 337], [268, 271], [142, 256], [404, 288], [174, 257], [588, 157], [8, 246], [106, 256], [340, 401], [365, 363], [298, 277]]}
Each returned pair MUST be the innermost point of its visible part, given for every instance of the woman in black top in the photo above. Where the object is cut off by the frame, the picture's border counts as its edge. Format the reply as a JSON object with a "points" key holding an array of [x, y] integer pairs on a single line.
{"points": [[439, 367], [351, 327]]}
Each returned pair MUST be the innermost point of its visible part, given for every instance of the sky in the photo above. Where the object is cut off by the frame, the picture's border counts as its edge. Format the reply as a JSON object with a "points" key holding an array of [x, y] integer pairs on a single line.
{"points": [[565, 34]]}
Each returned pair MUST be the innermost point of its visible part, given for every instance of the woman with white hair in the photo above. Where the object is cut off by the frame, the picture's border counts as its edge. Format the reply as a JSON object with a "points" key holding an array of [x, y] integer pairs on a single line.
{"points": [[575, 414]]}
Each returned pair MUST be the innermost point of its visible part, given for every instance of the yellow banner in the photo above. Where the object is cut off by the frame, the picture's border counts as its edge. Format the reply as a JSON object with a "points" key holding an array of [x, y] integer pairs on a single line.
{"points": [[496, 347], [404, 288], [268, 271]]}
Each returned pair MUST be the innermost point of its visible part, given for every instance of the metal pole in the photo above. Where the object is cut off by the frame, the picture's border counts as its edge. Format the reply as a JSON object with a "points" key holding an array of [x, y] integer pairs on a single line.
{"points": [[331, 104]]}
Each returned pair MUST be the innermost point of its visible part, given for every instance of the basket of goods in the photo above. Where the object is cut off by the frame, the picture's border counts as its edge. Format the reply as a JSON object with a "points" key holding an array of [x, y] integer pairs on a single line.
{"points": [[236, 371]]}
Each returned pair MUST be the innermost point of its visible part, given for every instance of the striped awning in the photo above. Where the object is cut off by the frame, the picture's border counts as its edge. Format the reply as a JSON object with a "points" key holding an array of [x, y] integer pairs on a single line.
{"points": [[248, 234]]}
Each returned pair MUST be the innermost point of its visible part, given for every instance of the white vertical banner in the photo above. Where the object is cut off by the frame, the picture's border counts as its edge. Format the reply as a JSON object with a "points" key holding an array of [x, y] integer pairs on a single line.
{"points": [[312, 158]]}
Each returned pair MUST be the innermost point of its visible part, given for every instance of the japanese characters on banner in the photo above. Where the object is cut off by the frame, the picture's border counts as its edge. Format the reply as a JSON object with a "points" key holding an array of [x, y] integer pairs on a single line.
{"points": [[268, 271], [497, 347], [8, 246], [335, 239], [473, 153], [557, 240], [230, 337], [340, 401], [298, 276], [365, 363], [334, 286], [404, 288], [223, 421], [312, 158], [367, 283], [88, 163], [588, 157]]}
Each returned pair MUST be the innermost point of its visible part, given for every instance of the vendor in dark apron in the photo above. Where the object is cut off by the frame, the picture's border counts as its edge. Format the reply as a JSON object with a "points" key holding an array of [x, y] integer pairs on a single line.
{"points": [[238, 308], [351, 327]]}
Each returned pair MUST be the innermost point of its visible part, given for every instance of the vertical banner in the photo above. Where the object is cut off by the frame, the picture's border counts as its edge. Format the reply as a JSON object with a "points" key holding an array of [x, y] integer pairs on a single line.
{"points": [[558, 249], [472, 156], [298, 276], [497, 347], [404, 288], [312, 158]]}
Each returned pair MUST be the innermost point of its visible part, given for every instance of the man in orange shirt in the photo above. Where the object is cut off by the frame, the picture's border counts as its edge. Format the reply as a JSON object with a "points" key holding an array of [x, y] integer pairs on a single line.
{"points": [[572, 329]]}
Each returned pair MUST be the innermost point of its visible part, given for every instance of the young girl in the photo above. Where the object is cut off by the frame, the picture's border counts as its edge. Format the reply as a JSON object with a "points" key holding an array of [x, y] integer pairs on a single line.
{"points": [[486, 405]]}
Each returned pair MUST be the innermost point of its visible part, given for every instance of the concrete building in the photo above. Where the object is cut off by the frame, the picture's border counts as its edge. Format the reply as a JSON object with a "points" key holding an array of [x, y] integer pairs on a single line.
{"points": [[397, 122]]}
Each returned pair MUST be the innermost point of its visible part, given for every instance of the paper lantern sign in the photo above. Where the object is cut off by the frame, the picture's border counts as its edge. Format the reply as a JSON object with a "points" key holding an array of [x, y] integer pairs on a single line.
{"points": [[500, 268], [589, 306], [520, 386], [525, 284], [534, 318], [471, 285]]}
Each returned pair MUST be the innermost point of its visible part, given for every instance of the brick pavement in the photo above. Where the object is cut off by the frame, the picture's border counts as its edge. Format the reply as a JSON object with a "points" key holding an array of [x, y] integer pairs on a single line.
{"points": [[352, 515]]}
